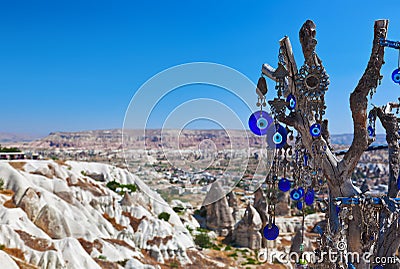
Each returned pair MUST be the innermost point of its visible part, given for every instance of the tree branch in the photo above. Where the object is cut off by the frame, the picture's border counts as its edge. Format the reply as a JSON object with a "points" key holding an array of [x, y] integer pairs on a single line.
{"points": [[359, 101], [389, 123], [291, 66]]}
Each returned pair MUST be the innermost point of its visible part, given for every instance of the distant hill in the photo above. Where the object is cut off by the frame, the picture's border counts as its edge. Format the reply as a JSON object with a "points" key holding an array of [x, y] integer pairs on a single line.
{"points": [[111, 139], [14, 137], [346, 139]]}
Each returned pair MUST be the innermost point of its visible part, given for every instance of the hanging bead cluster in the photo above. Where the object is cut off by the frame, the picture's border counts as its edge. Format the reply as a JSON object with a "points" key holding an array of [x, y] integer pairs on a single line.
{"points": [[260, 121], [371, 123], [271, 231], [370, 223]]}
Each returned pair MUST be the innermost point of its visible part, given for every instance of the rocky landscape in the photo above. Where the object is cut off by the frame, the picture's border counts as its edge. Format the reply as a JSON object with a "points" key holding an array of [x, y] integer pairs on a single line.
{"points": [[52, 216], [68, 215], [84, 205]]}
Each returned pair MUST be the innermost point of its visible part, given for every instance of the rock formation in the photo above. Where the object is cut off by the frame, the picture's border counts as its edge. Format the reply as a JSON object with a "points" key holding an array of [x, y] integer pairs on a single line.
{"points": [[219, 214], [247, 231], [51, 221], [30, 203], [232, 201], [260, 204]]}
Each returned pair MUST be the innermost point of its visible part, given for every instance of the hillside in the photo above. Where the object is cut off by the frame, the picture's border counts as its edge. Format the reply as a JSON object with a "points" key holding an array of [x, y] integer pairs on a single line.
{"points": [[62, 215]]}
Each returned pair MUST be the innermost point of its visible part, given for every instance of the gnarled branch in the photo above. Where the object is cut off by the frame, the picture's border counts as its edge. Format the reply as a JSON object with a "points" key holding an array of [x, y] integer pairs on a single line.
{"points": [[359, 101]]}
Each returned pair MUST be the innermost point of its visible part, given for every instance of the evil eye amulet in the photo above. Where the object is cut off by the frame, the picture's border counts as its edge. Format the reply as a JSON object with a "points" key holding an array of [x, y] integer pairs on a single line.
{"points": [[396, 76], [315, 130], [295, 195], [276, 136], [259, 122], [284, 184], [291, 102], [271, 231]]}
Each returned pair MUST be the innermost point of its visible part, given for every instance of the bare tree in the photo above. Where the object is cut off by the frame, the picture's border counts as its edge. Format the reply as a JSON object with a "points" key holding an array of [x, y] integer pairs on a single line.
{"points": [[338, 172]]}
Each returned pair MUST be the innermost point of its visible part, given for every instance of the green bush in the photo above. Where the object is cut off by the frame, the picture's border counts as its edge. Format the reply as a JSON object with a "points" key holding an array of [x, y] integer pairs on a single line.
{"points": [[203, 240], [164, 215], [233, 255], [251, 261], [202, 230], [130, 187], [101, 257], [216, 248], [1, 183], [114, 185], [178, 209], [123, 263], [189, 229], [5, 149]]}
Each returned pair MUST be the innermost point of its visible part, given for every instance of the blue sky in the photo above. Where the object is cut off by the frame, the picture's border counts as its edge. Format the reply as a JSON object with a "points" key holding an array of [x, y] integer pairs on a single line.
{"points": [[75, 65]]}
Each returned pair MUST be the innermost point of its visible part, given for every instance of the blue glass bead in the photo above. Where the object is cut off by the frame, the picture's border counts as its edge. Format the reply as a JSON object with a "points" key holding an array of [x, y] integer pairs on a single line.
{"points": [[291, 102], [351, 266], [299, 205], [271, 231], [371, 131], [284, 184], [305, 159], [309, 197], [295, 195], [259, 122], [319, 230], [276, 136], [315, 130], [378, 267], [396, 76]]}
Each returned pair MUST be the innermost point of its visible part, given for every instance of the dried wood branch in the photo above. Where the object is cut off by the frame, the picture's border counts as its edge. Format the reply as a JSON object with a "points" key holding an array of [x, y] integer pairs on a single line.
{"points": [[359, 101]]}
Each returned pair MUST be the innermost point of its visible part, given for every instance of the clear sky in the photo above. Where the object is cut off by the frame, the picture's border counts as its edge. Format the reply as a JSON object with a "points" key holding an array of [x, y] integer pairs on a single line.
{"points": [[75, 65]]}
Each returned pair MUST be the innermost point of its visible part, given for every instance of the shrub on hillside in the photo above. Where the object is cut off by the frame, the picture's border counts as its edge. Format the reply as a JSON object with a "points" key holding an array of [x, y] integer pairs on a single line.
{"points": [[164, 215]]}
